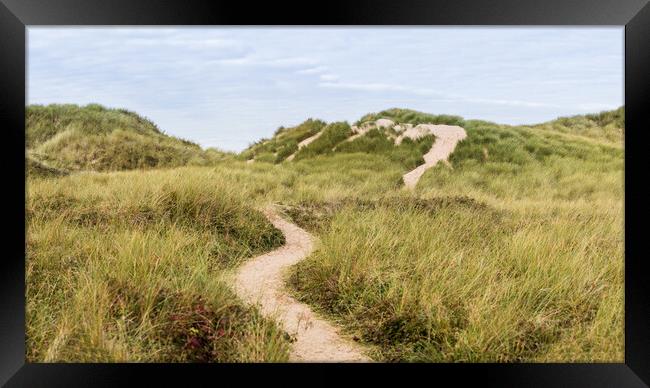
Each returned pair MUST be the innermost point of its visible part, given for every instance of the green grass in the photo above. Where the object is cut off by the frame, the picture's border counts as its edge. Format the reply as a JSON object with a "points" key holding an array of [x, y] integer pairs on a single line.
{"points": [[284, 143], [408, 153], [515, 253], [470, 283], [333, 134], [535, 273], [330, 177], [412, 117], [74, 138], [512, 163], [129, 267], [607, 126], [333, 140]]}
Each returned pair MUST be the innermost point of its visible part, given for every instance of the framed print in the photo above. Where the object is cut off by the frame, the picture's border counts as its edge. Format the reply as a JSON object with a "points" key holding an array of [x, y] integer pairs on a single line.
{"points": [[453, 189]]}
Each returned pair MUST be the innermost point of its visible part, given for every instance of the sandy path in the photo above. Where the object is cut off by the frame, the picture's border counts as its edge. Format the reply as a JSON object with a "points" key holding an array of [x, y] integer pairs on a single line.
{"points": [[447, 136], [260, 280], [304, 143], [357, 134]]}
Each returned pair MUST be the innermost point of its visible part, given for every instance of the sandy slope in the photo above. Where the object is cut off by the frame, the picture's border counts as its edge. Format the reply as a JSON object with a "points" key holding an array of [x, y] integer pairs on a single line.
{"points": [[260, 280], [447, 136], [304, 143], [358, 132]]}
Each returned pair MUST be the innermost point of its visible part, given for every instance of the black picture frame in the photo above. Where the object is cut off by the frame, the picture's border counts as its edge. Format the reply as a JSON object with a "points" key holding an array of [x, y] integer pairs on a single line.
{"points": [[16, 15]]}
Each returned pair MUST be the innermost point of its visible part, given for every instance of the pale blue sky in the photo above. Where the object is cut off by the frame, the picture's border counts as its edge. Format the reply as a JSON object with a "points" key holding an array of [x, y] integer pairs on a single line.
{"points": [[228, 87]]}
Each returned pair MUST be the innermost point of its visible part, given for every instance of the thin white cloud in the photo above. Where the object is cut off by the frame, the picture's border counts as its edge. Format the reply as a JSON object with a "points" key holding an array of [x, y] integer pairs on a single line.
{"points": [[185, 43], [286, 62], [292, 61], [329, 77], [377, 87], [236, 61], [367, 87], [382, 87], [594, 107], [313, 70], [529, 104]]}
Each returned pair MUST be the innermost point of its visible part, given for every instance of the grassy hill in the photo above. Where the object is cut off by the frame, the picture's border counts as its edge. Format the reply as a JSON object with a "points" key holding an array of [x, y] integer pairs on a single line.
{"points": [[92, 137], [513, 252], [337, 138], [606, 125], [412, 117], [284, 142]]}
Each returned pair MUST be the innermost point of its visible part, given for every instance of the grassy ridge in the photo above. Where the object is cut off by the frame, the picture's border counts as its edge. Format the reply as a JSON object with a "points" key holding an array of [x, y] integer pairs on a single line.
{"points": [[284, 143], [412, 117], [333, 134], [93, 137], [45, 122], [409, 153], [607, 125]]}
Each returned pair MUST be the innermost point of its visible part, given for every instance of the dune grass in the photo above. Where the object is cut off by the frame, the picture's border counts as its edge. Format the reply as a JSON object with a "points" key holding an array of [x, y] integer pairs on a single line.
{"points": [[515, 253], [37, 168], [512, 163], [466, 283], [398, 116], [129, 267], [284, 143], [607, 125], [530, 268], [408, 153], [92, 137], [333, 134]]}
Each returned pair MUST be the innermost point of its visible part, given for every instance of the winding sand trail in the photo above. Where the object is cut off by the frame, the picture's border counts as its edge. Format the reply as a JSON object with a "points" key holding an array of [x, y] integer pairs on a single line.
{"points": [[304, 143], [260, 281], [447, 136]]}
